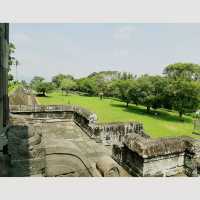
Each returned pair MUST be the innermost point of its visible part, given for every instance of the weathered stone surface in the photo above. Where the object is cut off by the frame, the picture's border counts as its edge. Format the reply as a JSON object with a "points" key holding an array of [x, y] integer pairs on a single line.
{"points": [[109, 168], [4, 165], [147, 147], [4, 55], [27, 153], [164, 165], [198, 167], [65, 147], [22, 96], [107, 133], [114, 133], [157, 157], [27, 167], [192, 157], [62, 139], [65, 163]]}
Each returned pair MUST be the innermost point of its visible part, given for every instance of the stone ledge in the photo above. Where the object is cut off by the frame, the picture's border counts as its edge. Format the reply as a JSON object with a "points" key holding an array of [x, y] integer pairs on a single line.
{"points": [[146, 147]]}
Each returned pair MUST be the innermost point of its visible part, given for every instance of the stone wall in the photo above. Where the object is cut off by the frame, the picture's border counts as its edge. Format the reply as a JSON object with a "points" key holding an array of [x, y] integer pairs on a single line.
{"points": [[22, 96], [135, 151], [114, 133], [4, 41], [106, 133], [192, 159], [158, 157], [26, 150], [55, 141]]}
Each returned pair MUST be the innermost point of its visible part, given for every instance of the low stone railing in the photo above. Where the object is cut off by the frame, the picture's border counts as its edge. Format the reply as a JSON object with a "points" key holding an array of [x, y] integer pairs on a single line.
{"points": [[114, 133], [17, 109], [106, 133]]}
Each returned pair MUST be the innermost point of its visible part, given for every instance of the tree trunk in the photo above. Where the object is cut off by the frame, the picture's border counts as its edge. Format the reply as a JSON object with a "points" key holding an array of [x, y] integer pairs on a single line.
{"points": [[148, 109], [180, 115], [126, 104]]}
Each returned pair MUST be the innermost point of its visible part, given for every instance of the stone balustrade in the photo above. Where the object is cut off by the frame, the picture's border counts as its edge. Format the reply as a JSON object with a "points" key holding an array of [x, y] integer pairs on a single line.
{"points": [[106, 133]]}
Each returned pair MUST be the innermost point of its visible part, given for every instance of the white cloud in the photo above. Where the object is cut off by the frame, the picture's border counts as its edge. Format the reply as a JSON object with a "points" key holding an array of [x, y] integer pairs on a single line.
{"points": [[124, 33]]}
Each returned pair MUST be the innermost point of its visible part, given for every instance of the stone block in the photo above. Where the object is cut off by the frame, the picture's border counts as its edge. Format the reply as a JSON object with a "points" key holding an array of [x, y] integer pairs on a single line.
{"points": [[27, 167]]}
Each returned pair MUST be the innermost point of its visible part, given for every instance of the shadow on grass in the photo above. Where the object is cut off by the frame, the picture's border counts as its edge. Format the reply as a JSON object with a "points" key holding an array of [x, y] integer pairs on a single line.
{"points": [[161, 115]]}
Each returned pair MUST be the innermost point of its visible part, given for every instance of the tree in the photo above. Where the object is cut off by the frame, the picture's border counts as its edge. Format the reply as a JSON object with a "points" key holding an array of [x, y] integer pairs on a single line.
{"points": [[24, 83], [187, 71], [35, 81], [10, 77], [67, 84], [146, 91], [183, 88], [149, 91], [87, 85], [185, 95], [43, 87], [134, 93], [58, 79], [126, 76], [123, 90], [12, 61], [111, 89], [40, 86], [159, 84]]}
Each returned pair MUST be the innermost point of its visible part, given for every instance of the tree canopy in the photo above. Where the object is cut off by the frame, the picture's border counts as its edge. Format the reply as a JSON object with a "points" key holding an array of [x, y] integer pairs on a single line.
{"points": [[58, 79], [39, 84], [187, 71]]}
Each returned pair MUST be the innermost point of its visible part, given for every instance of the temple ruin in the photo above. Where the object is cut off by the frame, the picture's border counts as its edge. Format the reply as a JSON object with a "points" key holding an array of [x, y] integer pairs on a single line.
{"points": [[68, 141]]}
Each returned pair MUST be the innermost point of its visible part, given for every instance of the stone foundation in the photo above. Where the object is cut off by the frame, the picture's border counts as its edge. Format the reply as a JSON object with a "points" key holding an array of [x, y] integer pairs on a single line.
{"points": [[162, 157], [67, 141], [54, 141]]}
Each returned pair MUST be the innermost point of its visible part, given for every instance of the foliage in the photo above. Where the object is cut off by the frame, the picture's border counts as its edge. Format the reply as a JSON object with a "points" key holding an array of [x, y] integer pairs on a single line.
{"points": [[67, 85], [183, 88], [12, 61], [40, 86], [10, 77], [36, 79], [12, 86], [59, 78], [185, 95], [87, 85], [123, 87], [188, 71], [146, 89], [126, 76]]}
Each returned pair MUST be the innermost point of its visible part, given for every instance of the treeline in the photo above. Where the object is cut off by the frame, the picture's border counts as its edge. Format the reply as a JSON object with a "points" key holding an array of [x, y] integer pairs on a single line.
{"points": [[178, 88]]}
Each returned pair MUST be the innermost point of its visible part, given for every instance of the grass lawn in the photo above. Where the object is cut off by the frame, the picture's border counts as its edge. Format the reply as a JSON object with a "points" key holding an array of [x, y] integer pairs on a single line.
{"points": [[109, 110]]}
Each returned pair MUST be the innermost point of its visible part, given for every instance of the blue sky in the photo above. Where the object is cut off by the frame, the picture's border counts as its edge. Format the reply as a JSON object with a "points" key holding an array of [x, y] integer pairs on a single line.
{"points": [[80, 49]]}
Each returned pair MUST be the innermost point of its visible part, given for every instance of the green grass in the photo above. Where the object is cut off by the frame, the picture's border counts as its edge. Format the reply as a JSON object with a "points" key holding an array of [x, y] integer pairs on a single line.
{"points": [[110, 110]]}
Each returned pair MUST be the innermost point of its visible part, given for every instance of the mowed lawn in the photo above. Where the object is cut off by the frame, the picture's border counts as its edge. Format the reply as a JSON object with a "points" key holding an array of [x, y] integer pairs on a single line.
{"points": [[109, 110]]}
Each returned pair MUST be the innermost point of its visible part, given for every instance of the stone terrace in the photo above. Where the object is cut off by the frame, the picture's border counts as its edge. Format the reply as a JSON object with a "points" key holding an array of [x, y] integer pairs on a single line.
{"points": [[68, 141]]}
